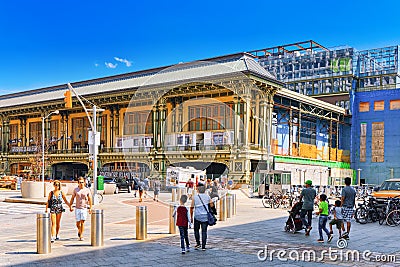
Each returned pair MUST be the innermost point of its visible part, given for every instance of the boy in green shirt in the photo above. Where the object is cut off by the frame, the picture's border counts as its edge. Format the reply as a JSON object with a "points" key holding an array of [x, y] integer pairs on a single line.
{"points": [[323, 218]]}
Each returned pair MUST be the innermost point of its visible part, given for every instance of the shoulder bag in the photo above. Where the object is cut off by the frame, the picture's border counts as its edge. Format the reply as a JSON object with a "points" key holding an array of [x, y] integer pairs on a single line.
{"points": [[211, 219]]}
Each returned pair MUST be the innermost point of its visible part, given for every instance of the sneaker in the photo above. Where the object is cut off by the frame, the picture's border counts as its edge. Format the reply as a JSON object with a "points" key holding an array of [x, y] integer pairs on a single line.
{"points": [[330, 238], [57, 237], [187, 249], [52, 239], [79, 235], [197, 246], [203, 249], [320, 241], [183, 251]]}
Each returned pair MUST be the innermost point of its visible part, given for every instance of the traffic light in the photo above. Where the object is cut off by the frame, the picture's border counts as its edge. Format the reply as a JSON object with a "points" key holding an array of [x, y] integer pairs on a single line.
{"points": [[68, 99]]}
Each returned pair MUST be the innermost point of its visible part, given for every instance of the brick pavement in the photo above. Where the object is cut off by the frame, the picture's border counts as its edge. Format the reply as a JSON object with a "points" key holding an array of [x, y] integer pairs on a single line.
{"points": [[232, 242]]}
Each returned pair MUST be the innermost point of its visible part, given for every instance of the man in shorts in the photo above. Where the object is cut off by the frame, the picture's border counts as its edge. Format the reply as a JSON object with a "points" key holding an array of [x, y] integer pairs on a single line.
{"points": [[83, 199], [348, 203]]}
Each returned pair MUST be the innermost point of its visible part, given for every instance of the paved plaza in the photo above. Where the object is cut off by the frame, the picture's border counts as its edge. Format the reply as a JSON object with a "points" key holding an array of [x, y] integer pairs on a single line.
{"points": [[253, 237]]}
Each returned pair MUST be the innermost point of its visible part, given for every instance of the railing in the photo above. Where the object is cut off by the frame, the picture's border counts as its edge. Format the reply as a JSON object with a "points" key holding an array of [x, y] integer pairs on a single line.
{"points": [[124, 150], [198, 148]]}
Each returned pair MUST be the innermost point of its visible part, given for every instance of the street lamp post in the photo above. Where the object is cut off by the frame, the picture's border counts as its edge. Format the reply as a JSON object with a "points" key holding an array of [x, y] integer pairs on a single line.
{"points": [[43, 119]]}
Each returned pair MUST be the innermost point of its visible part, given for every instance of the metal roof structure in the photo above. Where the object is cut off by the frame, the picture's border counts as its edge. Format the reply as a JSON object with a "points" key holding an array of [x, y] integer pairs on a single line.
{"points": [[198, 70]]}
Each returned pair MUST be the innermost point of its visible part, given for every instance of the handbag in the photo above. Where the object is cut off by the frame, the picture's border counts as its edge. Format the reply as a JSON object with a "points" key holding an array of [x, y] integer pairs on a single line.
{"points": [[50, 201], [211, 219]]}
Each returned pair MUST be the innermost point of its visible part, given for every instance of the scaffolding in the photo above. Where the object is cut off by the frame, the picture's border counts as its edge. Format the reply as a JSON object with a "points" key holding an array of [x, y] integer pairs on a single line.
{"points": [[311, 69]]}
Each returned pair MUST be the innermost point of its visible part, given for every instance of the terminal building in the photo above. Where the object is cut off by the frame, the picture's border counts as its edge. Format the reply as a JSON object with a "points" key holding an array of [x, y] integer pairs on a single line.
{"points": [[289, 113]]}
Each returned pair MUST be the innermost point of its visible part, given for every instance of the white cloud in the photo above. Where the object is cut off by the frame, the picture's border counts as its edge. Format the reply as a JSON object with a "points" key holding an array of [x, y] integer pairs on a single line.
{"points": [[110, 65], [96, 65], [125, 61]]}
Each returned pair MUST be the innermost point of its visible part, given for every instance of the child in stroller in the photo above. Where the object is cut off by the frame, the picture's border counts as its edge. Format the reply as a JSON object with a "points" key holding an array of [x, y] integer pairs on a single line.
{"points": [[294, 223]]}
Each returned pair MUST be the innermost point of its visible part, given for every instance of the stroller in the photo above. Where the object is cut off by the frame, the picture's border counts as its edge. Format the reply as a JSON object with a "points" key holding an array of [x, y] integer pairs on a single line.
{"points": [[294, 223]]}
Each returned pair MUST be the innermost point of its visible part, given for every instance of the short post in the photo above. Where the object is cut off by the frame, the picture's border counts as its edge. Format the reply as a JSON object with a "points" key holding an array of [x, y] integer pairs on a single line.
{"points": [[97, 229], [174, 193], [172, 219], [229, 206], [178, 194], [234, 204], [183, 192], [222, 208], [141, 222], [43, 233]]}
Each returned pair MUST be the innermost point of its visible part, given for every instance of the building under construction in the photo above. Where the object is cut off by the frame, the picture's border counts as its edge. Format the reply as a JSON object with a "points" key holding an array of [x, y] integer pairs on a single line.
{"points": [[365, 83]]}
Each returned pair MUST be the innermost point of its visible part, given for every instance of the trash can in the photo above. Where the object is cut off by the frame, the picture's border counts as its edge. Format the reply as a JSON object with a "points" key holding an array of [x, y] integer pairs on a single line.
{"points": [[43, 233], [100, 182], [261, 190], [141, 222], [97, 229]]}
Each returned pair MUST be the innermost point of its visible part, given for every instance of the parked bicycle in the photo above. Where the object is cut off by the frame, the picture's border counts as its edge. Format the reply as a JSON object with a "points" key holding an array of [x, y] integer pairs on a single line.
{"points": [[367, 211]]}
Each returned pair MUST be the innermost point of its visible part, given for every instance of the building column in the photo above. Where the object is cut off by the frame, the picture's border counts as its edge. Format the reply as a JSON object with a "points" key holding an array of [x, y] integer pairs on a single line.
{"points": [[6, 135], [111, 143], [236, 139], [246, 120], [116, 122], [290, 132], [256, 121], [155, 126], [269, 109], [162, 125], [68, 140], [22, 130], [263, 114]]}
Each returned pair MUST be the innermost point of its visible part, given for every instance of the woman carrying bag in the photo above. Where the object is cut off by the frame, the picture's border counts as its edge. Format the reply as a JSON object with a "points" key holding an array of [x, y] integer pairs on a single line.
{"points": [[200, 206], [54, 202]]}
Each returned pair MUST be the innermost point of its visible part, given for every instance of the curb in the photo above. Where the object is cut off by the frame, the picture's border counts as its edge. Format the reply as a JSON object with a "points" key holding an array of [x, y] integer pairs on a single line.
{"points": [[25, 200]]}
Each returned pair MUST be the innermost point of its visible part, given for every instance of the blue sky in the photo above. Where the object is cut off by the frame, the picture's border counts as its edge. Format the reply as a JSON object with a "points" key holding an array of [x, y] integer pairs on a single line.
{"points": [[52, 42]]}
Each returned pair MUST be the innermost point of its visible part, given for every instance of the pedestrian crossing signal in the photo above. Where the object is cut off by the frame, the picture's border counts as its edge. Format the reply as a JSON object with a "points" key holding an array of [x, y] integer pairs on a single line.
{"points": [[68, 99]]}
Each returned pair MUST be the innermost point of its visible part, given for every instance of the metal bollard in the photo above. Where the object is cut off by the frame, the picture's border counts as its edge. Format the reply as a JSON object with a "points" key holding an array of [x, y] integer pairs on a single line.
{"points": [[43, 233], [97, 229], [141, 222], [172, 219], [234, 203], [178, 194], [229, 206], [183, 192], [174, 193], [222, 208]]}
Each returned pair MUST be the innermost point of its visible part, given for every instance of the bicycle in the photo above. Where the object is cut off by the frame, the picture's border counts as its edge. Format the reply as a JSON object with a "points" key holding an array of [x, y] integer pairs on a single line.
{"points": [[267, 201], [393, 218], [367, 211]]}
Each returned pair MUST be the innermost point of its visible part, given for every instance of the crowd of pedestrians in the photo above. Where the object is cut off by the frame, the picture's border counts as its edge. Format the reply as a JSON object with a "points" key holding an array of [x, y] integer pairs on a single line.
{"points": [[343, 211]]}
